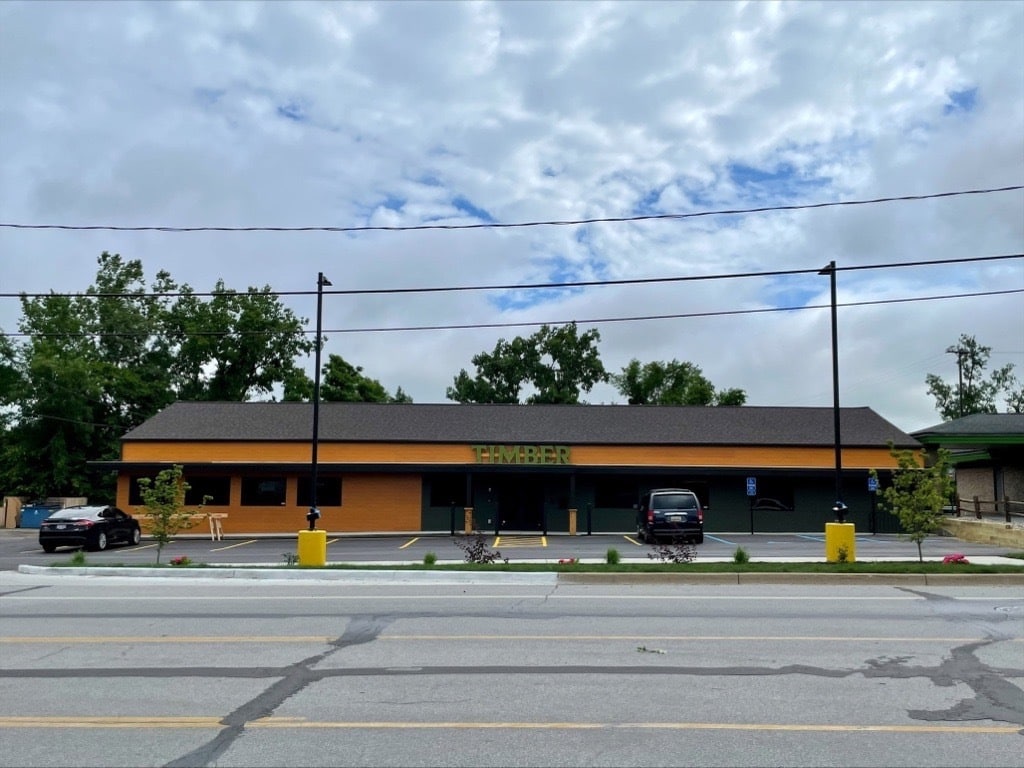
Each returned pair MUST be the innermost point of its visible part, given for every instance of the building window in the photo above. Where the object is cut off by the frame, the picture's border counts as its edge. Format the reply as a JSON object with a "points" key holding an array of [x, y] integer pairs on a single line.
{"points": [[211, 491], [263, 491], [447, 490], [135, 491], [328, 491]]}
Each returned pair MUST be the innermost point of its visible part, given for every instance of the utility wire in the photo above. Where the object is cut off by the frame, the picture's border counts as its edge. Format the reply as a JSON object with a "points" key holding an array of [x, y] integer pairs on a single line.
{"points": [[527, 286], [536, 323], [499, 225]]}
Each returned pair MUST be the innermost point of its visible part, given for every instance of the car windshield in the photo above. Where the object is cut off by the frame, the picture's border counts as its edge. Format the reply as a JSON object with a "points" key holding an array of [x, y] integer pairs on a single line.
{"points": [[674, 501], [72, 513]]}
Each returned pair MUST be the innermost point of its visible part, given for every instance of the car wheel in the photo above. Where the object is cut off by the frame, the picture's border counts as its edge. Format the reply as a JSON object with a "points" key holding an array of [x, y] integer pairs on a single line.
{"points": [[136, 536], [699, 538], [49, 548], [100, 542]]}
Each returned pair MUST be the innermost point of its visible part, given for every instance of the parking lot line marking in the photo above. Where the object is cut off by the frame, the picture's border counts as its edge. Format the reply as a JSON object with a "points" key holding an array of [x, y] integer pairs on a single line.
{"points": [[631, 540], [232, 546], [410, 541], [812, 538], [333, 541], [721, 541]]}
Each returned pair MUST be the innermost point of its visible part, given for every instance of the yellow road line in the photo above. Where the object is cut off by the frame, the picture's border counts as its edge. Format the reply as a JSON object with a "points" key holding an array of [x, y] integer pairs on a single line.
{"points": [[631, 540], [410, 541], [232, 546], [30, 721]]}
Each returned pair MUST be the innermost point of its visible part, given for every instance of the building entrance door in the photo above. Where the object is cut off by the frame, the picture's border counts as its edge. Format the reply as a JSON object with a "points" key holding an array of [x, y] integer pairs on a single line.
{"points": [[520, 504]]}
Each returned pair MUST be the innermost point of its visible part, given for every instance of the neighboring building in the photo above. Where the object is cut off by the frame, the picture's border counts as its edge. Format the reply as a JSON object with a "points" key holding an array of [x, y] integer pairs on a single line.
{"points": [[417, 467], [987, 450]]}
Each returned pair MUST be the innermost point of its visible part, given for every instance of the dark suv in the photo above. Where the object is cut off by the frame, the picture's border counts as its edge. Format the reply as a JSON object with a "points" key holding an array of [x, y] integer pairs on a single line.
{"points": [[670, 513]]}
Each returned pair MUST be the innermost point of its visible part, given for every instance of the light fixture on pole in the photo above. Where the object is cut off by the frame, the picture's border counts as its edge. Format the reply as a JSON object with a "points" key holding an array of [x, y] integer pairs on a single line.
{"points": [[839, 507], [314, 512]]}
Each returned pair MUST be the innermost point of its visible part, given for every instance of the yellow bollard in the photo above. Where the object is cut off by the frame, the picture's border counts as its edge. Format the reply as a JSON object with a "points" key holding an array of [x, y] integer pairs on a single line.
{"points": [[840, 543], [572, 522], [312, 548]]}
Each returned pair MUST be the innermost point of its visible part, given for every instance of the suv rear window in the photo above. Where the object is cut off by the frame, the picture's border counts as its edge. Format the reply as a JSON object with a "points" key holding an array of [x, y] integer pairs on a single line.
{"points": [[673, 501]]}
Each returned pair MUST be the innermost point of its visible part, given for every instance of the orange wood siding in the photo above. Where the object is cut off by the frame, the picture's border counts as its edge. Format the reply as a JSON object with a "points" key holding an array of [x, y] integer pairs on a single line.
{"points": [[368, 503], [439, 453]]}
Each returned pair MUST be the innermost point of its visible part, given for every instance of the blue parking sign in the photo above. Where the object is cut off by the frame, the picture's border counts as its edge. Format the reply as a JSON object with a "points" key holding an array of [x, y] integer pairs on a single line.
{"points": [[751, 486], [872, 484]]}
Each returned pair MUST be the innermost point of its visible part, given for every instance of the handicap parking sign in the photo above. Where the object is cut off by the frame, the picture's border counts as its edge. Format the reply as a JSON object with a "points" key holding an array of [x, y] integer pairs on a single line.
{"points": [[751, 486]]}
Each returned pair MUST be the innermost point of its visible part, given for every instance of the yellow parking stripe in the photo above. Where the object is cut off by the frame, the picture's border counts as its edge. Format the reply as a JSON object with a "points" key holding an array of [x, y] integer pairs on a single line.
{"points": [[232, 546], [410, 541], [514, 541], [631, 540]]}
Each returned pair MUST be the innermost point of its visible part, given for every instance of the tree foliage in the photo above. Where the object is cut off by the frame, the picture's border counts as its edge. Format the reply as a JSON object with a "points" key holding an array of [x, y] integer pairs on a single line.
{"points": [[94, 365], [918, 493], [558, 363], [164, 500], [672, 383], [978, 393], [342, 382]]}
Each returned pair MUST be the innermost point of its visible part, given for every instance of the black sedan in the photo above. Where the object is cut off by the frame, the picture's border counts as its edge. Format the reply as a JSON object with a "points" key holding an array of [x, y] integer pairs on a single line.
{"points": [[89, 527]]}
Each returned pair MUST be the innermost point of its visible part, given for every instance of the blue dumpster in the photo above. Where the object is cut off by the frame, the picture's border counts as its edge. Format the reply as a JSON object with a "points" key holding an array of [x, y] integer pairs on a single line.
{"points": [[33, 515]]}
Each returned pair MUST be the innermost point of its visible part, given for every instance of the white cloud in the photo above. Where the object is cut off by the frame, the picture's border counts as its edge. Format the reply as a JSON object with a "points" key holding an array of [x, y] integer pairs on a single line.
{"points": [[387, 114]]}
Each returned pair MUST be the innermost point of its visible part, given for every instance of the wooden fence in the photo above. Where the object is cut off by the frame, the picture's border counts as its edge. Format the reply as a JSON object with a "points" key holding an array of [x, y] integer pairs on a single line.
{"points": [[983, 508]]}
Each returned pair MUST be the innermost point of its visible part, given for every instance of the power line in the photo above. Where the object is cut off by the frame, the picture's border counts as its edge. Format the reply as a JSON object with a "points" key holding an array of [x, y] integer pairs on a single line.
{"points": [[499, 225], [526, 286], [536, 323]]}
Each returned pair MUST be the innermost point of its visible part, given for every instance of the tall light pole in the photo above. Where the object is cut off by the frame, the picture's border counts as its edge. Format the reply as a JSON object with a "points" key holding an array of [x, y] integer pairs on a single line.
{"points": [[839, 507], [314, 512]]}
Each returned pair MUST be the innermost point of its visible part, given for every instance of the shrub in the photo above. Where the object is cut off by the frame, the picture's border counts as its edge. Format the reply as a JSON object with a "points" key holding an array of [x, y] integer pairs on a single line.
{"points": [[429, 559], [475, 549], [612, 556], [675, 551], [740, 556], [181, 560], [78, 558]]}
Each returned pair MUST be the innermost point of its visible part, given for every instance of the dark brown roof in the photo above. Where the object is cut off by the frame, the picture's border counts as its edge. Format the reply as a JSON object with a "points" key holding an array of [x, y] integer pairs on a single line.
{"points": [[509, 424]]}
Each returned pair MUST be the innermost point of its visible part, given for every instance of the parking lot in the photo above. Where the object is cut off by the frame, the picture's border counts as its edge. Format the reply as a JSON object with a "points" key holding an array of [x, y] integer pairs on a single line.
{"points": [[20, 546]]}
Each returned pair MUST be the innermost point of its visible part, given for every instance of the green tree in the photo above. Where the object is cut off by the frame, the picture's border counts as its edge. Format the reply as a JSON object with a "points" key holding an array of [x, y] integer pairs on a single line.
{"points": [[164, 500], [340, 381], [977, 394], [558, 363], [235, 345], [95, 365], [672, 383], [918, 493]]}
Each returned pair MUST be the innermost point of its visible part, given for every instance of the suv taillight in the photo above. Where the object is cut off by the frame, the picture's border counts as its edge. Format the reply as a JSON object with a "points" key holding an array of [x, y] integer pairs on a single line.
{"points": [[650, 515]]}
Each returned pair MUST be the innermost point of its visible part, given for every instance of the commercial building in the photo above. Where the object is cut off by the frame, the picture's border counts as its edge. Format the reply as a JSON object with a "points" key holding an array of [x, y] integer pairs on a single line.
{"points": [[538, 468]]}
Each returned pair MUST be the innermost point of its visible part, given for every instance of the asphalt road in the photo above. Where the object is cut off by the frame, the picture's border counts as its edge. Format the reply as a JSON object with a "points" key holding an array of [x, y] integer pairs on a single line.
{"points": [[120, 672], [20, 546]]}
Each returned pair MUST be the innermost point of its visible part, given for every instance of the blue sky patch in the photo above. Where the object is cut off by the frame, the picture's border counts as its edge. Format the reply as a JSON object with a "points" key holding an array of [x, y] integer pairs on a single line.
{"points": [[782, 183], [393, 203], [961, 101], [560, 270], [462, 204], [292, 111], [209, 96]]}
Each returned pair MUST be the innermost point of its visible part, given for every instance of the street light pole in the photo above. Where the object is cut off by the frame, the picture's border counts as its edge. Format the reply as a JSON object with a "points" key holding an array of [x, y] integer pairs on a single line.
{"points": [[314, 512], [839, 508]]}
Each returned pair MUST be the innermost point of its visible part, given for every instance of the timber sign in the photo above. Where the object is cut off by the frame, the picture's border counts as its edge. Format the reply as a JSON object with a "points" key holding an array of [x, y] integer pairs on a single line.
{"points": [[521, 454]]}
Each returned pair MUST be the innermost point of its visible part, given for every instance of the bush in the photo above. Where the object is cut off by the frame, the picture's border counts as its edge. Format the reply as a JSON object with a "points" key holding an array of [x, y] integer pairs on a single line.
{"points": [[612, 556], [429, 559], [740, 556], [675, 551], [475, 548]]}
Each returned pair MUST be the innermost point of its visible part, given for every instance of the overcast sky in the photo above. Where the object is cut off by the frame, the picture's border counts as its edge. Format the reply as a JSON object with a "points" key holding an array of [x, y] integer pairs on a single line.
{"points": [[291, 114]]}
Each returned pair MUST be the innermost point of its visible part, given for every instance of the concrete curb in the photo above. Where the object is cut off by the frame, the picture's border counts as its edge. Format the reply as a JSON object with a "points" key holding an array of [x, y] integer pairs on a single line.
{"points": [[515, 578], [358, 576]]}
